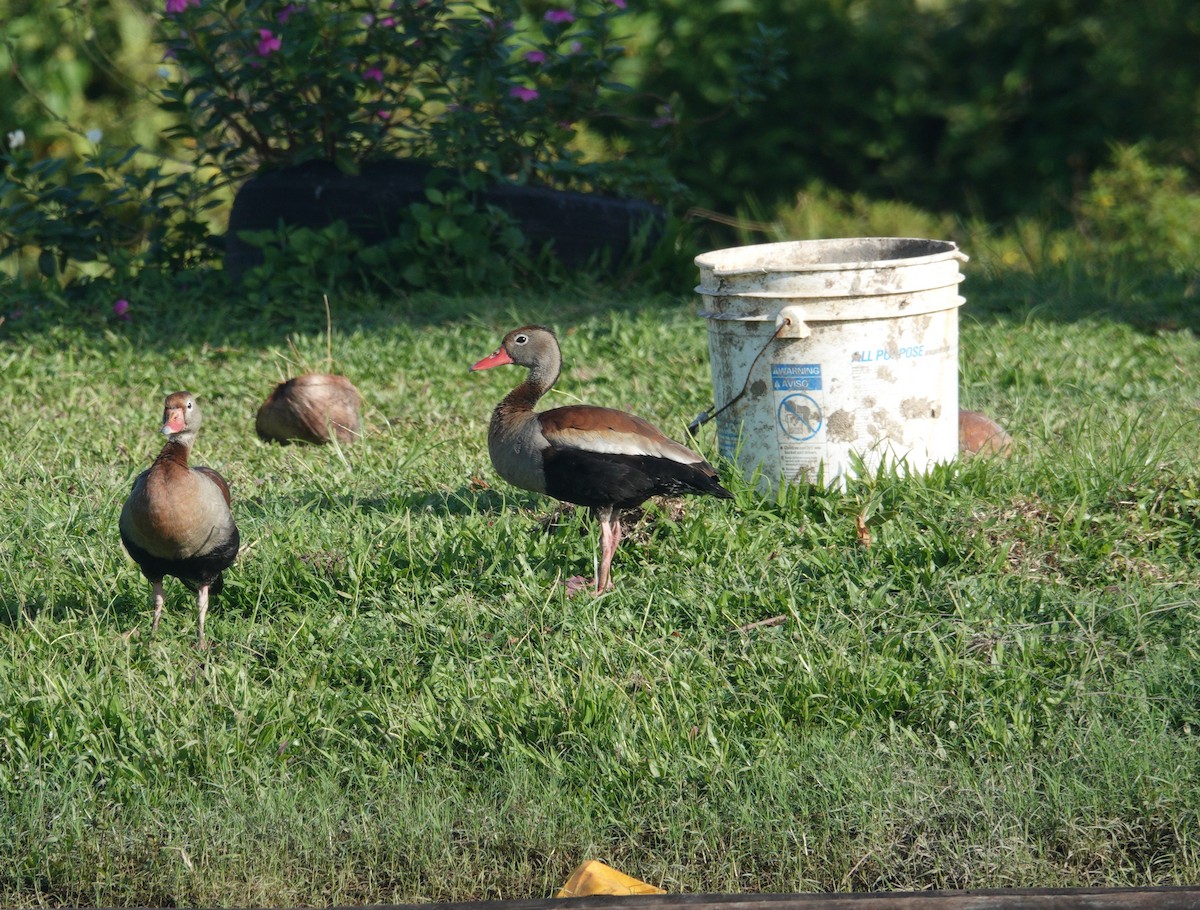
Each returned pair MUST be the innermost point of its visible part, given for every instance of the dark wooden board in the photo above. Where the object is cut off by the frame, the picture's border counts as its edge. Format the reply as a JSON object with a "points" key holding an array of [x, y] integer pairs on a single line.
{"points": [[1178, 898]]}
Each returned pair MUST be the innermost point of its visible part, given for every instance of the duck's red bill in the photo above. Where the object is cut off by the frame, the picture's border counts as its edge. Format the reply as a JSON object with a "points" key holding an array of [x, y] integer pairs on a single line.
{"points": [[499, 358]]}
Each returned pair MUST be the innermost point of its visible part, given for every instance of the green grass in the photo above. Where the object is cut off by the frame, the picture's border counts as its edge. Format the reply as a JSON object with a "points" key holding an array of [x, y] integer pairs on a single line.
{"points": [[400, 703]]}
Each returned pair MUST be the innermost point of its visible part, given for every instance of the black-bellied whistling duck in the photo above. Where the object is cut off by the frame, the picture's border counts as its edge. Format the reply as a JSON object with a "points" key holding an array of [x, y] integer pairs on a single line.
{"points": [[591, 456], [314, 407], [176, 520]]}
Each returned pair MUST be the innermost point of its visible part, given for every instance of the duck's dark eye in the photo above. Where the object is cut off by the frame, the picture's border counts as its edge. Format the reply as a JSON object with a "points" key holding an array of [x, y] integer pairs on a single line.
{"points": [[189, 405], [521, 339]]}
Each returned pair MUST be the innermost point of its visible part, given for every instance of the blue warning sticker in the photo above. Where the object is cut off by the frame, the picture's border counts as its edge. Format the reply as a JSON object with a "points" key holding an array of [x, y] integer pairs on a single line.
{"points": [[728, 438], [796, 377], [799, 416]]}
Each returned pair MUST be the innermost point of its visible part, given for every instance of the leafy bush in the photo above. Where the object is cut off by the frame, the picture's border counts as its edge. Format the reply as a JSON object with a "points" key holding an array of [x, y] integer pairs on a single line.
{"points": [[70, 68], [109, 215], [470, 85], [484, 90], [449, 242], [446, 243], [984, 107], [1144, 212], [818, 212]]}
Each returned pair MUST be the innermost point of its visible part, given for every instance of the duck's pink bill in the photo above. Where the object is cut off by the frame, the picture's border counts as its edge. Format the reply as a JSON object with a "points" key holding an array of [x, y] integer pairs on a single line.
{"points": [[174, 422], [499, 358]]}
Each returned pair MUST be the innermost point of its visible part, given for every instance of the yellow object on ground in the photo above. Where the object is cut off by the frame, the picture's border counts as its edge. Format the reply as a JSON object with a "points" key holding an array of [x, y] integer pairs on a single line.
{"points": [[593, 877]]}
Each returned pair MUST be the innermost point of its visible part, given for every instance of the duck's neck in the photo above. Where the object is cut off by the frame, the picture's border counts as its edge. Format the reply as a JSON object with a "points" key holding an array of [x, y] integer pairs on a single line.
{"points": [[539, 381], [176, 452]]}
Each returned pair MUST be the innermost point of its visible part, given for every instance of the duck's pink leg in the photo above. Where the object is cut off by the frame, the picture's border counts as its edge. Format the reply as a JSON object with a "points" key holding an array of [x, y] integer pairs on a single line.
{"points": [[610, 536], [202, 610], [156, 599]]}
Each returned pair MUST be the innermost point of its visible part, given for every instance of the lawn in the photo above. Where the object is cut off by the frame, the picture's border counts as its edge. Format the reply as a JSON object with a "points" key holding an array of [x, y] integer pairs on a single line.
{"points": [[401, 704]]}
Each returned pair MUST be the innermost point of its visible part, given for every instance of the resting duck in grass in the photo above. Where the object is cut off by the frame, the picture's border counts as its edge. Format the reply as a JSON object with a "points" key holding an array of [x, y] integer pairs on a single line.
{"points": [[591, 456], [176, 520]]}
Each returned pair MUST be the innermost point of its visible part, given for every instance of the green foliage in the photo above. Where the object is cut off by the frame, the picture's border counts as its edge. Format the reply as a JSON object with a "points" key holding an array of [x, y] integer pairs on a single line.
{"points": [[489, 93], [70, 68], [1143, 212], [470, 86], [446, 243], [91, 190], [110, 215], [302, 261], [819, 212], [450, 244], [984, 107]]}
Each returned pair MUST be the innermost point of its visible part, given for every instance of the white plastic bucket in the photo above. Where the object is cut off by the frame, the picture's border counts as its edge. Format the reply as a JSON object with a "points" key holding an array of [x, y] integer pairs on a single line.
{"points": [[824, 352]]}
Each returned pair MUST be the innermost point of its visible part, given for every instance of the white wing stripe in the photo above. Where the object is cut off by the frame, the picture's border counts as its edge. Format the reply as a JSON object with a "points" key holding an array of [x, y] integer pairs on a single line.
{"points": [[614, 443]]}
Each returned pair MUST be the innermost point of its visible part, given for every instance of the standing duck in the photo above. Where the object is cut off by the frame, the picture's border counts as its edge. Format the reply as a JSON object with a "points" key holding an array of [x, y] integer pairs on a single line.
{"points": [[176, 520], [591, 456]]}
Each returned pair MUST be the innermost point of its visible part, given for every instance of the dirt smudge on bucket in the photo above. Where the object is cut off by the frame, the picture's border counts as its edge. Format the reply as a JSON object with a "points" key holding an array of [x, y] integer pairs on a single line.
{"points": [[885, 426], [918, 408], [841, 426]]}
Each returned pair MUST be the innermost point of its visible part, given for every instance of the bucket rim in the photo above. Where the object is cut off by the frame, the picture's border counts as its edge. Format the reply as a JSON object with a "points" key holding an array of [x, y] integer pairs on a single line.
{"points": [[941, 250], [816, 298], [822, 316]]}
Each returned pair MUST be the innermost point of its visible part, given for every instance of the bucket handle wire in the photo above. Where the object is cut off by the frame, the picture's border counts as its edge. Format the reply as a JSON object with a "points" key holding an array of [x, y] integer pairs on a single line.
{"points": [[705, 416]]}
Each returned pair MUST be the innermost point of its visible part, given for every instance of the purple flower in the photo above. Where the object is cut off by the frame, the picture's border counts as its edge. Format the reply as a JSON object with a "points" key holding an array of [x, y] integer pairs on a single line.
{"points": [[374, 74], [525, 94], [383, 115], [619, 4], [286, 13], [559, 16], [268, 43], [388, 22], [121, 309], [175, 7], [535, 56]]}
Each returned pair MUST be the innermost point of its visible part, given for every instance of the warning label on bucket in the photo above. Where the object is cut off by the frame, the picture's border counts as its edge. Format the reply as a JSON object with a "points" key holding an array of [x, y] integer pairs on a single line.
{"points": [[798, 405], [800, 462], [796, 377], [799, 417]]}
